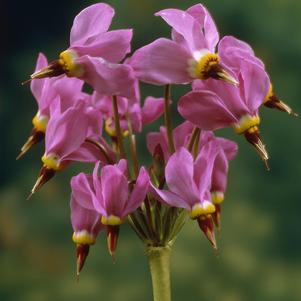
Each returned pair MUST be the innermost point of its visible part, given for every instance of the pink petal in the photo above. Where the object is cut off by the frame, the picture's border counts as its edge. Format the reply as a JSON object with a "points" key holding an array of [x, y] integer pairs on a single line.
{"points": [[179, 176], [111, 46], [84, 219], [82, 189], [202, 15], [114, 190], [154, 138], [229, 147], [255, 85], [203, 167], [181, 134], [97, 197], [153, 108], [37, 85], [67, 131], [139, 192], [206, 110], [161, 62], [220, 172], [90, 22], [169, 198], [184, 24], [106, 78]]}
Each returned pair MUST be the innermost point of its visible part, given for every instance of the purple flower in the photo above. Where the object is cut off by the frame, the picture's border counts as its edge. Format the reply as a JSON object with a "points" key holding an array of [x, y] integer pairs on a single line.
{"points": [[114, 199], [94, 53], [84, 219], [214, 104], [189, 55], [189, 185]]}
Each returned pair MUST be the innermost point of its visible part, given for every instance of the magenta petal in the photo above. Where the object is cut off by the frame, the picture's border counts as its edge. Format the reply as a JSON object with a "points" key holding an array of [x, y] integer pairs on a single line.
{"points": [[220, 172], [181, 134], [169, 198], [229, 147], [82, 190], [161, 62], [139, 192], [255, 85], [154, 138], [98, 201], [201, 14], [179, 176], [153, 108], [90, 22], [37, 85], [83, 218], [106, 78], [111, 46], [67, 131], [206, 110], [115, 191], [184, 24]]}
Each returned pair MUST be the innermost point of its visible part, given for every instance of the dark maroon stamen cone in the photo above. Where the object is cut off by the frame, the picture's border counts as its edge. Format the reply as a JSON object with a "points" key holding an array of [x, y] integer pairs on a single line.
{"points": [[275, 103], [253, 137], [44, 176], [157, 168], [206, 224], [216, 71], [34, 138], [82, 252], [112, 239]]}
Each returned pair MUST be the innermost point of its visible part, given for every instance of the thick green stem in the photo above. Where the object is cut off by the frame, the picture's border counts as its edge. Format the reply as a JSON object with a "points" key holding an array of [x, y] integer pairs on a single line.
{"points": [[159, 262], [117, 128], [167, 119]]}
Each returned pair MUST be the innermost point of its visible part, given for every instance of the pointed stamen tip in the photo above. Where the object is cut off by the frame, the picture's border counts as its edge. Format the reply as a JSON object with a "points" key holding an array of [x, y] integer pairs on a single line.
{"points": [[21, 154], [226, 77], [26, 81], [30, 195], [266, 163]]}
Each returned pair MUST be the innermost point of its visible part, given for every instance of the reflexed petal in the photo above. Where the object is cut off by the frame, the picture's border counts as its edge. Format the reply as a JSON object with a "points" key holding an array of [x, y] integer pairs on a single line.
{"points": [[183, 23], [155, 138], [206, 110], [179, 176], [220, 172], [107, 78], [115, 191], [153, 108], [181, 134], [111, 46], [82, 189], [139, 192], [202, 15], [161, 62], [98, 200], [90, 22], [37, 85], [255, 85], [169, 198]]}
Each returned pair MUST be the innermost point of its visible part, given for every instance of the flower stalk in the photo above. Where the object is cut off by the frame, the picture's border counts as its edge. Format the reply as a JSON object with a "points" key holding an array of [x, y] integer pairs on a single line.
{"points": [[159, 262], [167, 119]]}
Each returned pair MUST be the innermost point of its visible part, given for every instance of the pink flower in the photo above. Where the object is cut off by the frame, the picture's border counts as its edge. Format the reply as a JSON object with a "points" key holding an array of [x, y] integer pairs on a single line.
{"points": [[94, 52], [189, 185], [114, 199], [213, 105], [66, 140], [189, 55], [45, 91], [232, 52], [84, 219]]}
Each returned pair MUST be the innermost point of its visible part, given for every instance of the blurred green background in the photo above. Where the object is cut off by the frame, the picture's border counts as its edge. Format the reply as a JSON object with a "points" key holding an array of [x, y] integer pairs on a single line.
{"points": [[259, 249]]}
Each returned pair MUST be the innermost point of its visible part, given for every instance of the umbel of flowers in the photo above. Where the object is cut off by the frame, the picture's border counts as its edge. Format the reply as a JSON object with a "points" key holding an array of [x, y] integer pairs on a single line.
{"points": [[187, 178]]}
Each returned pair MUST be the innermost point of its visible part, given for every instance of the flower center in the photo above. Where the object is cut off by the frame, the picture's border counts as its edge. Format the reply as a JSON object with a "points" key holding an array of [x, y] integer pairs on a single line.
{"points": [[111, 220], [67, 61], [246, 123], [51, 161], [83, 237], [202, 209], [40, 122], [202, 64]]}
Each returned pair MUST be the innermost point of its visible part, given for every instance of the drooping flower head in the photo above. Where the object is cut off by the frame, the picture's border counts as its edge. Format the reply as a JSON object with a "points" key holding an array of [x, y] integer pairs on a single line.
{"points": [[188, 56], [84, 219], [189, 183], [94, 53], [214, 104], [45, 91], [232, 52], [115, 199]]}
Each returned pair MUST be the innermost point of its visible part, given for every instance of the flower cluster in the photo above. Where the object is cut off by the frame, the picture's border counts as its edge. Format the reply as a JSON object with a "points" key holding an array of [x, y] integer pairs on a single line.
{"points": [[189, 169]]}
